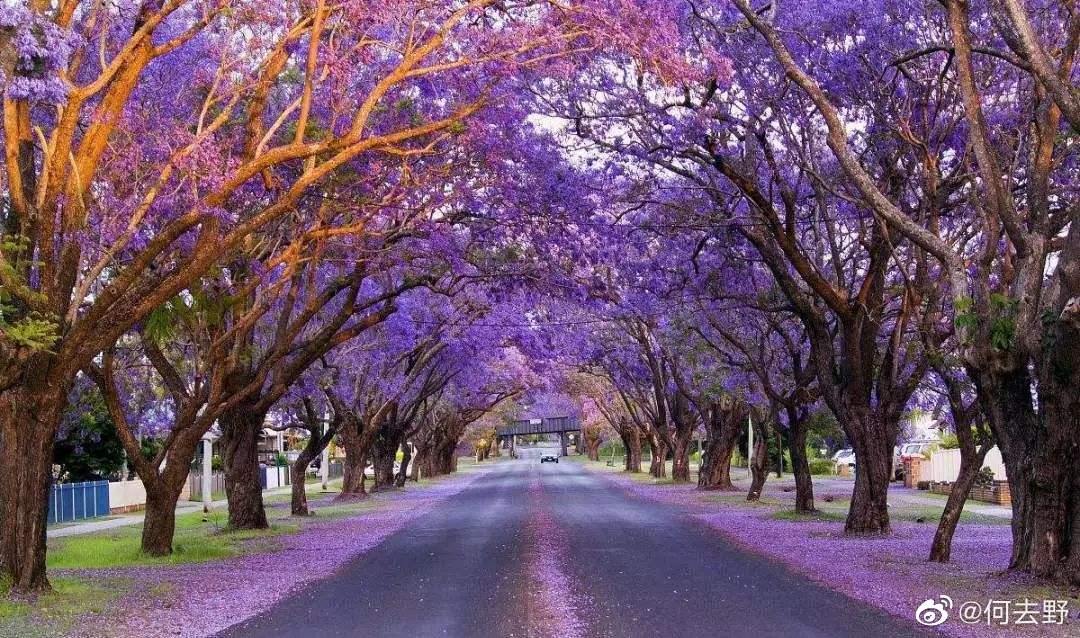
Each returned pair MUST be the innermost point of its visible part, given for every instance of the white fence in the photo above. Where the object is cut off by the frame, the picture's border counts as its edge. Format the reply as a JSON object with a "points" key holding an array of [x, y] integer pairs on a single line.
{"points": [[945, 465], [127, 496]]}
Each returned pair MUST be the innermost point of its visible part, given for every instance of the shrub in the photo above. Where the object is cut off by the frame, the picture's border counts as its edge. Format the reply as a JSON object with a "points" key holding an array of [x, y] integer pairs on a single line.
{"points": [[950, 442], [822, 466], [985, 478]]}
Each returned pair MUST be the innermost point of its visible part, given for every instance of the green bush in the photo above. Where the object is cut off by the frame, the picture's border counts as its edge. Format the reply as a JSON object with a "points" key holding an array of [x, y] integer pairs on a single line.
{"points": [[950, 442], [822, 466]]}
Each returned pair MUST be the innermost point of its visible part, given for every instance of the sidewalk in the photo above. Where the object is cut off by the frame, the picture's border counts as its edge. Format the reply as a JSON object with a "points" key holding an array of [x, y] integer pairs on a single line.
{"points": [[136, 518]]}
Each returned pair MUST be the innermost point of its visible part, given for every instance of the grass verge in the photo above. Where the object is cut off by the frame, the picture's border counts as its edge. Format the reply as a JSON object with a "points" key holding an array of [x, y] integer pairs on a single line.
{"points": [[55, 613]]}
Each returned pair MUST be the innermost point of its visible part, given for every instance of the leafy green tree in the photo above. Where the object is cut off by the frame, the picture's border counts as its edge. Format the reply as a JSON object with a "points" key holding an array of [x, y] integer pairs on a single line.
{"points": [[88, 449]]}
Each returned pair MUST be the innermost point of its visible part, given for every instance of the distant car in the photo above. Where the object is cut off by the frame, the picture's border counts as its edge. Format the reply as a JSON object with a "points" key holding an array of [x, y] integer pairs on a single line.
{"points": [[549, 457], [843, 455], [913, 449], [369, 471]]}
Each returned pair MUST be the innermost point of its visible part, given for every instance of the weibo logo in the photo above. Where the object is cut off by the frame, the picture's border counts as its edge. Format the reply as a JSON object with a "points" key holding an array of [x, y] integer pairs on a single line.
{"points": [[932, 612]]}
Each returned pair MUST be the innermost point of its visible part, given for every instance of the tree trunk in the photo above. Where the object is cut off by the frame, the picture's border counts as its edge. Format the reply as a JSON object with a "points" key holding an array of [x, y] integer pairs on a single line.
{"points": [[970, 463], [382, 459], [725, 424], [403, 471], [1055, 488], [159, 520], [240, 430], [873, 440], [680, 464], [298, 477], [632, 443], [800, 465], [29, 417], [658, 452], [759, 461], [592, 440], [163, 489]]}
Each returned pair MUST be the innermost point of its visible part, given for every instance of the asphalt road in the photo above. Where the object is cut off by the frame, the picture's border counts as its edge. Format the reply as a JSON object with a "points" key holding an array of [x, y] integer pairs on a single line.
{"points": [[644, 569]]}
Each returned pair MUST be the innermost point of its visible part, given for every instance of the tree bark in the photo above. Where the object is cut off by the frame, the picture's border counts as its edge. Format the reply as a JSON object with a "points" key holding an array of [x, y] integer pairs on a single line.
{"points": [[800, 465], [592, 440], [382, 459], [29, 417], [941, 546], [658, 454], [873, 441], [353, 483], [159, 520], [403, 471], [632, 443], [240, 430], [725, 424], [680, 465]]}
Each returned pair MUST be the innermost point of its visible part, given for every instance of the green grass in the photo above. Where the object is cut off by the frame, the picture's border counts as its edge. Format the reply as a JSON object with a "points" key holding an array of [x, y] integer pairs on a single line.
{"points": [[196, 540], [55, 613]]}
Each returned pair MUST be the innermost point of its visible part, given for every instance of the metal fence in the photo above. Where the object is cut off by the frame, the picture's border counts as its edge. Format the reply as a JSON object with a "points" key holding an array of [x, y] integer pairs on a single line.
{"points": [[76, 501]]}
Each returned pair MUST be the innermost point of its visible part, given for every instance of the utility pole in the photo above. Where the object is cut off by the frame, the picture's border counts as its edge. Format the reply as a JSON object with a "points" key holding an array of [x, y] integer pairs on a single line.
{"points": [[749, 444], [324, 467], [207, 472]]}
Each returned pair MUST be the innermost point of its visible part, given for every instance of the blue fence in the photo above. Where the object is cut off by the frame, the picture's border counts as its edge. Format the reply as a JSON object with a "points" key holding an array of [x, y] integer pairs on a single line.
{"points": [[76, 501]]}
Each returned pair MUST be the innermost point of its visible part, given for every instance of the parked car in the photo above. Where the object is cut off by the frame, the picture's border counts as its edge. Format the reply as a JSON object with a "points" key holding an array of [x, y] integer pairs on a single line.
{"points": [[549, 458], [912, 449], [369, 471], [845, 456]]}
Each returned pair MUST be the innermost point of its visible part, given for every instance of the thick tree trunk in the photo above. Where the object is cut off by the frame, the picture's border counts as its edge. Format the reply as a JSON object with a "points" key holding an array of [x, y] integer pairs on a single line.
{"points": [[800, 465], [29, 417], [240, 430], [29, 421], [680, 464], [725, 423], [353, 481], [382, 459], [872, 440], [759, 461], [1055, 488], [163, 489], [159, 520], [591, 438]]}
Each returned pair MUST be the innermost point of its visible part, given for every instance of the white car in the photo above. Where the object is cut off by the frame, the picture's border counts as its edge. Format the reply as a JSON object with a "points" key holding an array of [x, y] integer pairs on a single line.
{"points": [[369, 471], [845, 457]]}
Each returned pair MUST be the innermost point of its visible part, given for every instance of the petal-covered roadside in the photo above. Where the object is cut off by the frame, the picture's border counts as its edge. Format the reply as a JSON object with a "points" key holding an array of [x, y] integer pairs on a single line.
{"points": [[200, 599], [890, 572]]}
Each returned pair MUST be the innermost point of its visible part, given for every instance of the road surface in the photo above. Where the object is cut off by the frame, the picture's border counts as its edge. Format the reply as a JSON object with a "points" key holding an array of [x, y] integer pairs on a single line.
{"points": [[645, 570]]}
